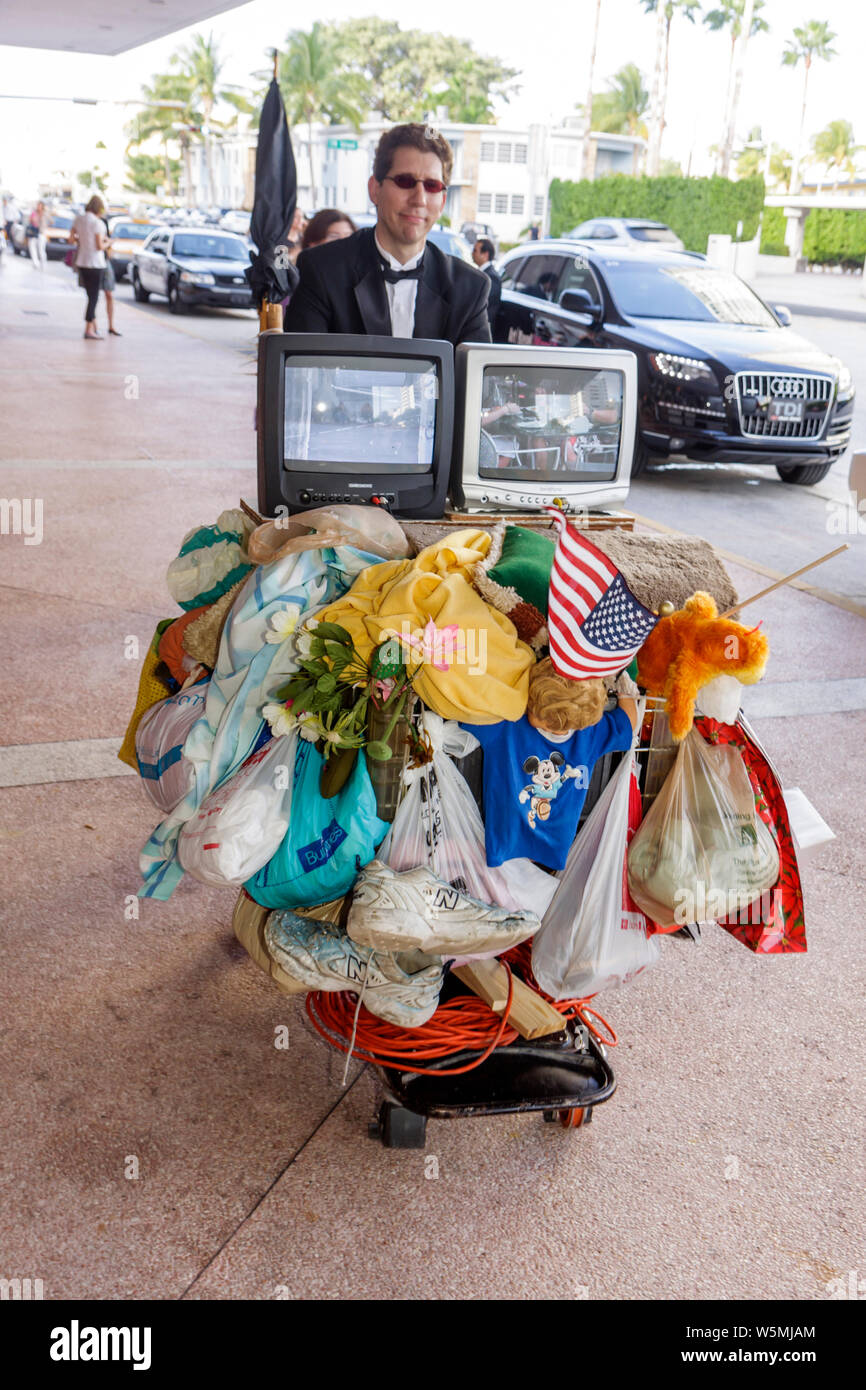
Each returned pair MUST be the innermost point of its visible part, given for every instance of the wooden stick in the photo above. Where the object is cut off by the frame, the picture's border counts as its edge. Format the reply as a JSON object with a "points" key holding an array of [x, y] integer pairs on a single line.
{"points": [[787, 580], [531, 1016]]}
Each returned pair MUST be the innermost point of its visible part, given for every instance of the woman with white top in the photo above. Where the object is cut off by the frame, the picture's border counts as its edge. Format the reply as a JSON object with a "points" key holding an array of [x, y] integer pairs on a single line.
{"points": [[88, 233]]}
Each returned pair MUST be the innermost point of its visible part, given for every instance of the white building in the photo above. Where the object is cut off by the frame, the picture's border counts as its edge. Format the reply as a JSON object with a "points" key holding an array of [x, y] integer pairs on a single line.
{"points": [[501, 174]]}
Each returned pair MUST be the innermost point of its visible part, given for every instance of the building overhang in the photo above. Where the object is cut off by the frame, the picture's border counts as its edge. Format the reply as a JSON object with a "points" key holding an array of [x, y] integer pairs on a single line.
{"points": [[101, 26]]}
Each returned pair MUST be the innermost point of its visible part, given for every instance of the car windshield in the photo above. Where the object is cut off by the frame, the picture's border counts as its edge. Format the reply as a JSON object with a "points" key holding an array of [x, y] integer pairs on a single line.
{"points": [[652, 234], [449, 243], [225, 248], [132, 231], [701, 293], [61, 222]]}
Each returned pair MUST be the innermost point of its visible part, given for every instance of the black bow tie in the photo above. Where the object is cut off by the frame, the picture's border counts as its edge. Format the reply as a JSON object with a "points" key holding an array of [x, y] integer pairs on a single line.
{"points": [[394, 277]]}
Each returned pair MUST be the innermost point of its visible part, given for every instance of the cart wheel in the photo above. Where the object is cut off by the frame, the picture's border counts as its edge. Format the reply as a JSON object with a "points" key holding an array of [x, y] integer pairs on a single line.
{"points": [[576, 1117], [401, 1129]]}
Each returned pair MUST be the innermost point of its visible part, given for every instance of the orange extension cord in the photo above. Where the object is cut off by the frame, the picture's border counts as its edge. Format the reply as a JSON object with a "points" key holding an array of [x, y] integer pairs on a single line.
{"points": [[461, 1024]]}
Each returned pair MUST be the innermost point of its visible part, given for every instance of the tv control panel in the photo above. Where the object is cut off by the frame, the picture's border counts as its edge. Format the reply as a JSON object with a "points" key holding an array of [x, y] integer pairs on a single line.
{"points": [[307, 498]]}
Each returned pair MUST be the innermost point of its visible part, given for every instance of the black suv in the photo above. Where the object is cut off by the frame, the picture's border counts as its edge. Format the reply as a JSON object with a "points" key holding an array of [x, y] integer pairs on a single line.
{"points": [[721, 376]]}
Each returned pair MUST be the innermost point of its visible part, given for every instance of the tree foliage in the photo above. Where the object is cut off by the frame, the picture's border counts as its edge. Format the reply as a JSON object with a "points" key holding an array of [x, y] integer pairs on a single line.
{"points": [[407, 73], [834, 147], [146, 173], [620, 110], [694, 208]]}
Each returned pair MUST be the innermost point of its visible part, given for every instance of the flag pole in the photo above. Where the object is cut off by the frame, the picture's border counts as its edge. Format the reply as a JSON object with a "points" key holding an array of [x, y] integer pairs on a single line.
{"points": [[787, 580]]}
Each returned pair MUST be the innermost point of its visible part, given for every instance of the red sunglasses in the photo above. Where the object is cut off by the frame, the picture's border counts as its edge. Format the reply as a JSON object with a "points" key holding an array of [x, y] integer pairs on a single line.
{"points": [[407, 181]]}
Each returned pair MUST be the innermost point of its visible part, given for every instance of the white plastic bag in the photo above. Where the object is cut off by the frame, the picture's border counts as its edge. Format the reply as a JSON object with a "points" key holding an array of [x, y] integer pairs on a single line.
{"points": [[703, 852], [242, 824], [589, 939], [439, 825], [166, 774]]}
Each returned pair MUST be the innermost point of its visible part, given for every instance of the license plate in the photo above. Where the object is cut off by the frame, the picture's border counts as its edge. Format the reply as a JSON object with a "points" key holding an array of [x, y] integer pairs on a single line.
{"points": [[783, 409]]}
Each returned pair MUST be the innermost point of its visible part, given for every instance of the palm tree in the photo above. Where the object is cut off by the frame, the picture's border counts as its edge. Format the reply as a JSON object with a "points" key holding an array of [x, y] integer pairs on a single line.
{"points": [[729, 15], [315, 89], [834, 148], [620, 110], [664, 11], [753, 160], [201, 63], [584, 163], [168, 111], [810, 41]]}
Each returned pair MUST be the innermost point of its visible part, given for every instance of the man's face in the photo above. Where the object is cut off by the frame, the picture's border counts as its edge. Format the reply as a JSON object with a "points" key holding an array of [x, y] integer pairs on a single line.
{"points": [[405, 216], [478, 255]]}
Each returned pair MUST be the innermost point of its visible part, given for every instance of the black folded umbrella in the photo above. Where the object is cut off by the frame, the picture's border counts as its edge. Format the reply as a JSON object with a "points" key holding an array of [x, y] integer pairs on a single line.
{"points": [[271, 274]]}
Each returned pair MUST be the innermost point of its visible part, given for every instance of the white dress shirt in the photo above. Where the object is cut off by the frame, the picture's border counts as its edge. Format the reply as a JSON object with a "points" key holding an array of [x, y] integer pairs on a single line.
{"points": [[402, 296]]}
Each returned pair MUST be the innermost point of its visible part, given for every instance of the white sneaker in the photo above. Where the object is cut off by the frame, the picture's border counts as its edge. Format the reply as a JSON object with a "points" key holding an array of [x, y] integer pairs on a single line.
{"points": [[416, 910], [320, 956]]}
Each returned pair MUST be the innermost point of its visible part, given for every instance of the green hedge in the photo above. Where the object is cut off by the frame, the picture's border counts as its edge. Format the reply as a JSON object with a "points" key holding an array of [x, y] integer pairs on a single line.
{"points": [[835, 236], [693, 208], [773, 233]]}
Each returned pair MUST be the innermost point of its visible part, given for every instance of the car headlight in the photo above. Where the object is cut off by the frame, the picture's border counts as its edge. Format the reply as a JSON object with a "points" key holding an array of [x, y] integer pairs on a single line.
{"points": [[667, 364], [197, 277], [844, 383]]}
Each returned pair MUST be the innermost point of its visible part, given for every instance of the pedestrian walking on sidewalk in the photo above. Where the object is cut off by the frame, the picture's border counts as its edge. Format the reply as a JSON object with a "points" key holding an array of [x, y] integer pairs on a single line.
{"points": [[35, 233], [109, 281], [88, 234]]}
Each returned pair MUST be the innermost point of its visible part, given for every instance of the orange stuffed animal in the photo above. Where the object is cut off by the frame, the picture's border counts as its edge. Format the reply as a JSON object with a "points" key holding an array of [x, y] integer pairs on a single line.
{"points": [[688, 649]]}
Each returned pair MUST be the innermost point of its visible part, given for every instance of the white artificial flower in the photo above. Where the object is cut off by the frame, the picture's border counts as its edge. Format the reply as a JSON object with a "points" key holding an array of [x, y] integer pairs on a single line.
{"points": [[281, 719], [308, 727], [304, 638], [283, 622]]}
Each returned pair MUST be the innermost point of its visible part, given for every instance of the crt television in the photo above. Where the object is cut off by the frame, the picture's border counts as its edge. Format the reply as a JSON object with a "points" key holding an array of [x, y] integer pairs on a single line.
{"points": [[536, 425], [352, 418]]}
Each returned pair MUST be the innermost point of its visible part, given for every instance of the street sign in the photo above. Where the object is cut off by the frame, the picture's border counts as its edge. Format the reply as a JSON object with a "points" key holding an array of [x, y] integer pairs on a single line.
{"points": [[342, 144]]}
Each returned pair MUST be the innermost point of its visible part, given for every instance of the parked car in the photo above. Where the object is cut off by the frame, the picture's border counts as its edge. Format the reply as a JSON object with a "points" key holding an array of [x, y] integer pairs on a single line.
{"points": [[471, 231], [192, 266], [237, 221], [127, 236], [722, 377], [635, 232], [57, 235]]}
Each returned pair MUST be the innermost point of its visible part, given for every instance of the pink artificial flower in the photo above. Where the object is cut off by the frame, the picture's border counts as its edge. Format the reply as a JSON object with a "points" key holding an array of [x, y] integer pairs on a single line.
{"points": [[437, 646]]}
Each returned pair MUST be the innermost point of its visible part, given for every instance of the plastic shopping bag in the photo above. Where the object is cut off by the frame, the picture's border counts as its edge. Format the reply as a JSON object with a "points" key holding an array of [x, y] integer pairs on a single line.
{"points": [[167, 775], [327, 843], [702, 852], [438, 824], [241, 824], [591, 937]]}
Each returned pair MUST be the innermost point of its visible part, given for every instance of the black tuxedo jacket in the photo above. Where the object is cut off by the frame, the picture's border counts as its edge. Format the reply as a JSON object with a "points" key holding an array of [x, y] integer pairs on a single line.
{"points": [[495, 293], [342, 290]]}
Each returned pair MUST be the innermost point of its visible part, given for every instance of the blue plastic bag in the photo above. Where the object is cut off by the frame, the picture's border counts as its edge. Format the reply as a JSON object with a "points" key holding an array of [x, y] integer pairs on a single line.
{"points": [[328, 842]]}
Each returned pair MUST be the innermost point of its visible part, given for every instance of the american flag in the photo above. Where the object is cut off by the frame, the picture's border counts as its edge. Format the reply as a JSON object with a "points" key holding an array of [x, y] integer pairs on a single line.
{"points": [[595, 622]]}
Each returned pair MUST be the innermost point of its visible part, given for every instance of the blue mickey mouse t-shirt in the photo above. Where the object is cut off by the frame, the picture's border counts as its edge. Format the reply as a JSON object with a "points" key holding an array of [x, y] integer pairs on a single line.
{"points": [[535, 785]]}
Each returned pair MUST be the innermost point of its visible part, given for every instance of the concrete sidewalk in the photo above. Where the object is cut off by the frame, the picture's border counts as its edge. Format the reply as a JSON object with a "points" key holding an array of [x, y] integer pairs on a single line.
{"points": [[159, 1144]]}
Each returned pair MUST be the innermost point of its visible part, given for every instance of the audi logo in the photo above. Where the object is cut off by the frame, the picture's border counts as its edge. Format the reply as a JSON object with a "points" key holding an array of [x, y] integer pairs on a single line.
{"points": [[788, 386]]}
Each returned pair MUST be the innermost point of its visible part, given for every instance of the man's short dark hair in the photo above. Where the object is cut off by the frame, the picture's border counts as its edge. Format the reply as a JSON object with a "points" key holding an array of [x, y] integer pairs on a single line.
{"points": [[417, 137], [487, 247]]}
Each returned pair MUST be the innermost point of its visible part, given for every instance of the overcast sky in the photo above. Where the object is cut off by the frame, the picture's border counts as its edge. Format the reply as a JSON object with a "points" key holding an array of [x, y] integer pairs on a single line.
{"points": [[548, 42]]}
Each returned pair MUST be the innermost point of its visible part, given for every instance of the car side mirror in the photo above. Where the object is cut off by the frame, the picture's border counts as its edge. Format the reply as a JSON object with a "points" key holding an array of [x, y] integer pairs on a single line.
{"points": [[783, 314], [580, 302]]}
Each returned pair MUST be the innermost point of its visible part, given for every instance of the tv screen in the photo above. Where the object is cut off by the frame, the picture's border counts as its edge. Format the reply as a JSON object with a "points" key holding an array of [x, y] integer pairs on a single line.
{"points": [[365, 414], [551, 423]]}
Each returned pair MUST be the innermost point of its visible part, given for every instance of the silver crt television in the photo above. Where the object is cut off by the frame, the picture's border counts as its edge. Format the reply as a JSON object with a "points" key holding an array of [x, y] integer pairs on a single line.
{"points": [[534, 425]]}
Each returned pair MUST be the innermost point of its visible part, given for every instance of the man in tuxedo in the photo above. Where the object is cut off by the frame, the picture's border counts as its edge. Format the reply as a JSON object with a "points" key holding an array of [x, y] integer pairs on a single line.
{"points": [[482, 254], [388, 280]]}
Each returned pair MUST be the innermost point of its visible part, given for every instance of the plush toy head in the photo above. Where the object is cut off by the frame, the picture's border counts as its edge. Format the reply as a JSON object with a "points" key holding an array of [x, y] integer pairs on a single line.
{"points": [[688, 649], [557, 705]]}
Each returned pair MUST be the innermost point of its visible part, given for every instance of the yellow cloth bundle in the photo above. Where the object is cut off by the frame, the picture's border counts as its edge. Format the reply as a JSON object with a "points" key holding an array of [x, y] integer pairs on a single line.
{"points": [[487, 675]]}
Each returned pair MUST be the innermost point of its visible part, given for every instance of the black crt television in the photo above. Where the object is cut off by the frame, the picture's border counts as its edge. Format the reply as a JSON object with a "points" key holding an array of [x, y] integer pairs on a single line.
{"points": [[539, 425], [351, 418]]}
